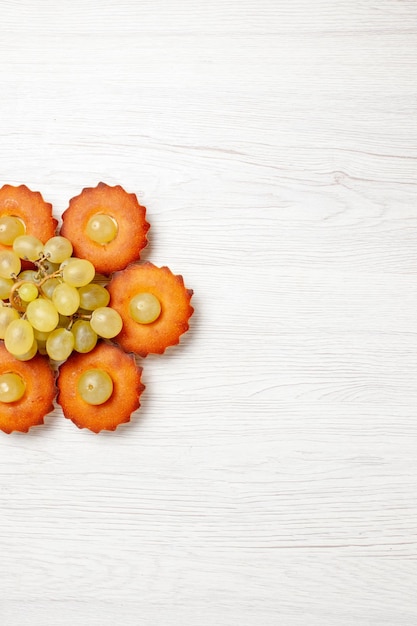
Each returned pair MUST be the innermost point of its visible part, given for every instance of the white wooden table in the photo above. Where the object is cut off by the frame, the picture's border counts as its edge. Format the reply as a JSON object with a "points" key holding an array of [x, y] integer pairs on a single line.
{"points": [[270, 477]]}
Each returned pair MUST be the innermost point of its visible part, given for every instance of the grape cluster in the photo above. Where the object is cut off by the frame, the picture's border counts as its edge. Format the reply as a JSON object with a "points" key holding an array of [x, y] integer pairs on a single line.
{"points": [[59, 306]]}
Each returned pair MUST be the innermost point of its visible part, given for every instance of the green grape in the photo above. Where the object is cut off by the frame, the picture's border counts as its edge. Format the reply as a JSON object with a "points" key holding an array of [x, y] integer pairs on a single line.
{"points": [[42, 314], [106, 322], [12, 387], [9, 264], [67, 261], [85, 338], [60, 344], [30, 276], [101, 228], [28, 292], [78, 272], [57, 249], [48, 267], [40, 335], [7, 315], [49, 286], [30, 354], [95, 386], [28, 247], [93, 296], [19, 337], [41, 339], [6, 285], [66, 299], [10, 228], [64, 321], [100, 279], [144, 308]]}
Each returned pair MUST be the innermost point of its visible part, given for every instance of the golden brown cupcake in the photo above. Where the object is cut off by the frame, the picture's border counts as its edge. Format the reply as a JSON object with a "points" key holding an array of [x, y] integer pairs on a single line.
{"points": [[34, 381], [107, 226], [83, 379], [30, 208], [154, 305]]}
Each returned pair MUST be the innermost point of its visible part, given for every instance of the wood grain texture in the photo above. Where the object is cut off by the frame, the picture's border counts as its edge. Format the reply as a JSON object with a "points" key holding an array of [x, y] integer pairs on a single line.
{"points": [[270, 476]]}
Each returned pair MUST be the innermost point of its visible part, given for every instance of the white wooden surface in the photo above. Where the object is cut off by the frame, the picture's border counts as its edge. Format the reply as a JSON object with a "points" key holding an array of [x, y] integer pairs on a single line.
{"points": [[270, 476]]}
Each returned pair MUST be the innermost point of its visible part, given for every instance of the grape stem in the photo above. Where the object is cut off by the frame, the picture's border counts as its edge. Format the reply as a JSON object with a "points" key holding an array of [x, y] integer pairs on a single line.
{"points": [[14, 297], [56, 274]]}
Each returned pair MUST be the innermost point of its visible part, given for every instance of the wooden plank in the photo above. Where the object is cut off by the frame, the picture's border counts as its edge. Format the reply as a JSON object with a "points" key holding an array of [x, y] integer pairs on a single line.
{"points": [[270, 476]]}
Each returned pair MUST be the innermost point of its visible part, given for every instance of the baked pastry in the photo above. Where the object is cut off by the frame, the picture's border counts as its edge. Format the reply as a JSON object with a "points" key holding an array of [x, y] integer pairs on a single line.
{"points": [[100, 389], [106, 226], [154, 305], [27, 390], [33, 215]]}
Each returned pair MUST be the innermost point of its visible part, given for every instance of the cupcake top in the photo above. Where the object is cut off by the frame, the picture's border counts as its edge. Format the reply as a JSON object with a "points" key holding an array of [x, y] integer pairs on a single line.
{"points": [[100, 389], [107, 226], [27, 391], [154, 305]]}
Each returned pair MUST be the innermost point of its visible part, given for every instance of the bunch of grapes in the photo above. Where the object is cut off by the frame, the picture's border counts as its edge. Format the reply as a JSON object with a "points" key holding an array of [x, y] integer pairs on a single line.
{"points": [[59, 306]]}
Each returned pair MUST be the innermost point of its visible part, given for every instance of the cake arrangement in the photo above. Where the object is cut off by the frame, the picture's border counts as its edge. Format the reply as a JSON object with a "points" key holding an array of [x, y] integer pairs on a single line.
{"points": [[78, 307]]}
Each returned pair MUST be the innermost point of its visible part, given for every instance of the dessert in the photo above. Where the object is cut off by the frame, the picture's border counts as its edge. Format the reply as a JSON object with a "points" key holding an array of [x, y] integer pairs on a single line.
{"points": [[24, 212], [154, 305], [27, 390], [107, 226], [101, 389], [86, 303]]}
